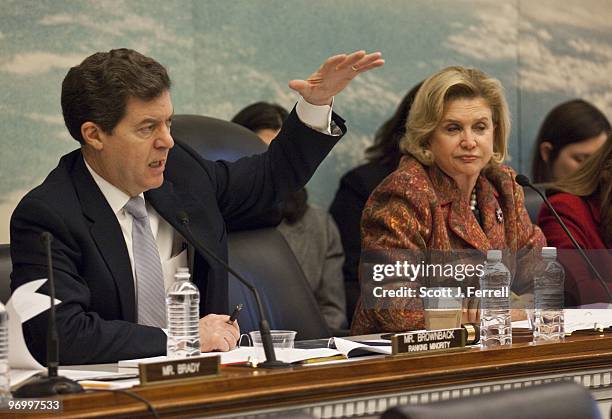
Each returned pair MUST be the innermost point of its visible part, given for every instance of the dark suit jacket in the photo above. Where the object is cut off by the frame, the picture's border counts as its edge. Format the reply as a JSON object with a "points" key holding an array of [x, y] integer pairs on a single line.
{"points": [[93, 275], [346, 208]]}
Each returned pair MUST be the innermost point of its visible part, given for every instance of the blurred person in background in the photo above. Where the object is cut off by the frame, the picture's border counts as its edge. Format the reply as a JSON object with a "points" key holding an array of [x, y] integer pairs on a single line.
{"points": [[583, 200], [356, 186], [570, 133], [310, 232]]}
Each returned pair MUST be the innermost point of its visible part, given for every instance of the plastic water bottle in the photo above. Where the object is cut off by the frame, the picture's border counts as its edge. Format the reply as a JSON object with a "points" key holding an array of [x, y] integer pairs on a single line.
{"points": [[495, 316], [183, 305], [548, 295], [5, 385]]}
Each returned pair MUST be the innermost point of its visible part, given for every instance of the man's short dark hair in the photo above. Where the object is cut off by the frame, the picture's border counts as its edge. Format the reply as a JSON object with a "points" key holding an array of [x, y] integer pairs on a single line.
{"points": [[98, 89]]}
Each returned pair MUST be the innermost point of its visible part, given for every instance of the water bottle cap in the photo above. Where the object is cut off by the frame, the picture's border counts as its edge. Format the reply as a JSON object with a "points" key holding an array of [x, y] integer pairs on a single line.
{"points": [[494, 255], [549, 252], [182, 276]]}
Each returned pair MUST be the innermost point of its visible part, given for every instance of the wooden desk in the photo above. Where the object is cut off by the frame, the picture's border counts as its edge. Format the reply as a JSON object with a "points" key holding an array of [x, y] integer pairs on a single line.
{"points": [[366, 387]]}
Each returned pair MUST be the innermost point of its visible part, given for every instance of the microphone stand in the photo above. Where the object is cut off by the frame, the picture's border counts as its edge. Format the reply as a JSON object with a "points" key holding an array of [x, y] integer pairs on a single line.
{"points": [[264, 326], [525, 182], [51, 384]]}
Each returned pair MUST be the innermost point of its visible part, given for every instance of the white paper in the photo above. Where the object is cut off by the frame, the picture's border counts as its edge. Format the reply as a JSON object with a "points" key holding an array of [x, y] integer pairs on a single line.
{"points": [[24, 304], [18, 376], [292, 355], [345, 346], [345, 360], [245, 354], [78, 375], [521, 324], [580, 319], [576, 319], [288, 355], [133, 363], [110, 385]]}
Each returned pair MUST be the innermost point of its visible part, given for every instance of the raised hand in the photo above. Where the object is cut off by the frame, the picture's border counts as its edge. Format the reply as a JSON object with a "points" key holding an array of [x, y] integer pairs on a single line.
{"points": [[334, 75]]}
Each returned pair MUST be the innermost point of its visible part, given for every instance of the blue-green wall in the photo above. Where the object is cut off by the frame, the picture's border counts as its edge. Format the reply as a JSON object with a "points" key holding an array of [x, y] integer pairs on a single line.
{"points": [[224, 54]]}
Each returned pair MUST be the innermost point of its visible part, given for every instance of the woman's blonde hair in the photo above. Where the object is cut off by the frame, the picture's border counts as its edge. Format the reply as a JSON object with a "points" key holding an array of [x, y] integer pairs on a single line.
{"points": [[447, 85], [593, 178]]}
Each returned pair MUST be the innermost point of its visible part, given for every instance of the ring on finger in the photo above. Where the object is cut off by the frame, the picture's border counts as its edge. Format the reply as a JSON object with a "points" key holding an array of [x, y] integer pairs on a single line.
{"points": [[354, 68]]}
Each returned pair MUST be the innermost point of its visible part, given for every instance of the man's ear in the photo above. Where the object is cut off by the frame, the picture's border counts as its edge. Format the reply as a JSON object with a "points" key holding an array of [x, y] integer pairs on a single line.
{"points": [[545, 149], [92, 135]]}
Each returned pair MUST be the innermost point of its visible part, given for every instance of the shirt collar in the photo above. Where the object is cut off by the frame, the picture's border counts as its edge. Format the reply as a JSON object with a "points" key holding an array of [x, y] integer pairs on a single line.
{"points": [[115, 197]]}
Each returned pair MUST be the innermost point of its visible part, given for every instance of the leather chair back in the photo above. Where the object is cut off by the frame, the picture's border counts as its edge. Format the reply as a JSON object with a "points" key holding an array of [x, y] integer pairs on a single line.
{"points": [[560, 400], [265, 259], [262, 255], [215, 139], [6, 268], [533, 202]]}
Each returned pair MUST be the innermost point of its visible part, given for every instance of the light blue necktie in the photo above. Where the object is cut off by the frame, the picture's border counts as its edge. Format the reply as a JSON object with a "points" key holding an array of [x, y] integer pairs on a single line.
{"points": [[150, 297]]}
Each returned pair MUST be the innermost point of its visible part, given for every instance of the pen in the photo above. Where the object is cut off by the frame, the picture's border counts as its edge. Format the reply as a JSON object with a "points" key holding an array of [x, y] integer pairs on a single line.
{"points": [[235, 314]]}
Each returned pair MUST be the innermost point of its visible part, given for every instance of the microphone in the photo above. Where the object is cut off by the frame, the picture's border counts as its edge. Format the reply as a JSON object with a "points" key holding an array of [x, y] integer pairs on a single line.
{"points": [[264, 326], [525, 182], [52, 384]]}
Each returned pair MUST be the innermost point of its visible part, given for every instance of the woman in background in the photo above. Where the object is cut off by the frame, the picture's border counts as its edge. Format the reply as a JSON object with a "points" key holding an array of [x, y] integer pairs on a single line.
{"points": [[450, 190], [583, 200], [310, 232], [570, 133], [357, 185]]}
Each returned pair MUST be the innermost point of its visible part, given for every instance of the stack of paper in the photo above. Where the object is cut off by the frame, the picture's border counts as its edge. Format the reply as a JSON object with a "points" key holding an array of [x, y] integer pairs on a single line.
{"points": [[24, 304], [580, 319], [343, 348]]}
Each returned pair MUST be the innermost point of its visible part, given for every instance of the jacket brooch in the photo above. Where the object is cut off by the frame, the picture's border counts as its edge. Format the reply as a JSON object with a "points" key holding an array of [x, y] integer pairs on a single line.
{"points": [[499, 215]]}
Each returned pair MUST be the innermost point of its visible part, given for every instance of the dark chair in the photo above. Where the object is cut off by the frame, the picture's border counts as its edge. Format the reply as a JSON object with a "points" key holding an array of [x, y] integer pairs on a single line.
{"points": [[216, 139], [533, 202], [560, 400], [5, 272], [265, 259], [262, 255]]}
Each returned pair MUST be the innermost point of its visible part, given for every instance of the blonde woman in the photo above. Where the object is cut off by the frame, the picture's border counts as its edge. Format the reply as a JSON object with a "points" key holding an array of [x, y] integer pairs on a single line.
{"points": [[451, 190]]}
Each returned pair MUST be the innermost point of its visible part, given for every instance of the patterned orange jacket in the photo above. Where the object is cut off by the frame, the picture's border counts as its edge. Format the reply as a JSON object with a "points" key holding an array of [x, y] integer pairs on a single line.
{"points": [[419, 207]]}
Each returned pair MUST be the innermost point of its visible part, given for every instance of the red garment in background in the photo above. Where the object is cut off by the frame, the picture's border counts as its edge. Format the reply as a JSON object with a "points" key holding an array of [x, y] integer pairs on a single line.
{"points": [[582, 218]]}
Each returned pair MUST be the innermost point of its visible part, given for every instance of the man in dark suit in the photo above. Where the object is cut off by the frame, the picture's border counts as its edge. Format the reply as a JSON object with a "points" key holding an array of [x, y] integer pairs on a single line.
{"points": [[117, 105]]}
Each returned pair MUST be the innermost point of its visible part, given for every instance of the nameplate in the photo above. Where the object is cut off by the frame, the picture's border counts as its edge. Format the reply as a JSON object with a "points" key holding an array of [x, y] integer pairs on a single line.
{"points": [[428, 341], [178, 369]]}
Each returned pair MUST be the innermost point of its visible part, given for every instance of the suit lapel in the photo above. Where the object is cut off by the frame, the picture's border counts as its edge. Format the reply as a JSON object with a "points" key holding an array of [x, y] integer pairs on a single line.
{"points": [[463, 223], [168, 203], [460, 219], [107, 235], [491, 213]]}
